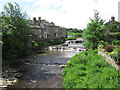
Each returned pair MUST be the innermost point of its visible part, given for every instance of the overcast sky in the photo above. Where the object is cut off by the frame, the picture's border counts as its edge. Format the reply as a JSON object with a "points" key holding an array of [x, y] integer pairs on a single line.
{"points": [[67, 13]]}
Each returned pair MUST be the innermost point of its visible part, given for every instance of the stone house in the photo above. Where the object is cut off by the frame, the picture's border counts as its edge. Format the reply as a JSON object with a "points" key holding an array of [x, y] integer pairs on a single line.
{"points": [[110, 22], [113, 31], [46, 30]]}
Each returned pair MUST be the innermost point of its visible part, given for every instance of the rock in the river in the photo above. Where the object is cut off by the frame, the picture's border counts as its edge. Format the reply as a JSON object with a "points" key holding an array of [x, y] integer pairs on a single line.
{"points": [[62, 66], [18, 75]]}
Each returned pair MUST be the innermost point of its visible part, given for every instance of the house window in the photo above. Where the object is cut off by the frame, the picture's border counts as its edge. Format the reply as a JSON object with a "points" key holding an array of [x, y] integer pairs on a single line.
{"points": [[39, 30], [54, 34], [45, 35], [39, 36], [118, 26]]}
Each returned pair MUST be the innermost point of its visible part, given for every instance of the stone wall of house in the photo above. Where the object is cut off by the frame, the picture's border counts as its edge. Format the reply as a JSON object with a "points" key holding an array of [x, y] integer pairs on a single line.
{"points": [[46, 30]]}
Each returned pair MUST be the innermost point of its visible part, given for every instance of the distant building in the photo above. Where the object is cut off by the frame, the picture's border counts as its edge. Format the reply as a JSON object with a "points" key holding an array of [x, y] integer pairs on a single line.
{"points": [[45, 30], [110, 22], [112, 32]]}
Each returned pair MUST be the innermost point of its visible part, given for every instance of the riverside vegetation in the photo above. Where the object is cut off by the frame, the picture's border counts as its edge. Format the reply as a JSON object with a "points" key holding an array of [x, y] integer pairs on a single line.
{"points": [[74, 33], [86, 70], [96, 35], [90, 70]]}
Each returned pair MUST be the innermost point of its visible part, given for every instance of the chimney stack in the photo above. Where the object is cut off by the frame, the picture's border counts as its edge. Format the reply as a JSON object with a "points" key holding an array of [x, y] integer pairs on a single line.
{"points": [[112, 18], [34, 20], [39, 19]]}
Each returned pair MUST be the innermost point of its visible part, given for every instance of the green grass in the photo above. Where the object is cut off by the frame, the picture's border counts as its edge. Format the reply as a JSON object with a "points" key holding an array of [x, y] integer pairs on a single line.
{"points": [[51, 42], [89, 70], [71, 38]]}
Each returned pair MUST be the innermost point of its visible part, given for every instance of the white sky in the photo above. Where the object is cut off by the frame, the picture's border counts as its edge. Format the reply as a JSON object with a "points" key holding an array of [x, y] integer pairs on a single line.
{"points": [[67, 13]]}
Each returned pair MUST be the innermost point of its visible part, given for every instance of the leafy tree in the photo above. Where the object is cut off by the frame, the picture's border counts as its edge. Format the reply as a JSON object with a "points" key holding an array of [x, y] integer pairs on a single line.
{"points": [[75, 32], [16, 32], [95, 31]]}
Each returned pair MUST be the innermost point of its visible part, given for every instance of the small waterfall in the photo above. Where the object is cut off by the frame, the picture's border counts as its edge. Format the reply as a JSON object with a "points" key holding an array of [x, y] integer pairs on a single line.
{"points": [[70, 45]]}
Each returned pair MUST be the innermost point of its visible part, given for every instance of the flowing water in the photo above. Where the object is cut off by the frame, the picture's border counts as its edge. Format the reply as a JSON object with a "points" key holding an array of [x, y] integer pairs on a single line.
{"points": [[44, 70]]}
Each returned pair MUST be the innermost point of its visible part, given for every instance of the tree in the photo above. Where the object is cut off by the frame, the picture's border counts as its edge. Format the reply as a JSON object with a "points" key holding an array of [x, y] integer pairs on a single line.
{"points": [[16, 32], [94, 32]]}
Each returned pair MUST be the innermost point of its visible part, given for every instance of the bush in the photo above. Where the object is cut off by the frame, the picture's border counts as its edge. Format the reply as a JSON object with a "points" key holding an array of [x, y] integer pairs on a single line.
{"points": [[116, 42], [34, 44], [117, 35], [89, 70], [102, 44]]}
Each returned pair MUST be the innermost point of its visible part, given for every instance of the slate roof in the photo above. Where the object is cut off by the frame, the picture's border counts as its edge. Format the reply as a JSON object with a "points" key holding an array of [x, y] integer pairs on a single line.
{"points": [[111, 22], [42, 24]]}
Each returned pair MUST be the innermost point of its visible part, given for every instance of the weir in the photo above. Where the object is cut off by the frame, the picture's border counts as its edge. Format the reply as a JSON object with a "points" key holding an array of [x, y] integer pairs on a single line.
{"points": [[70, 45]]}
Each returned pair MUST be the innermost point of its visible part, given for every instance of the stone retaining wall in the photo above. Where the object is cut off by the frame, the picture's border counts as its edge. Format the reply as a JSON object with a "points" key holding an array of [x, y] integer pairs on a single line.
{"points": [[109, 60]]}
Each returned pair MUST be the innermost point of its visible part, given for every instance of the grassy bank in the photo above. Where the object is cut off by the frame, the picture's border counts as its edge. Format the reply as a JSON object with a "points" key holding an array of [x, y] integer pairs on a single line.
{"points": [[50, 42], [89, 70]]}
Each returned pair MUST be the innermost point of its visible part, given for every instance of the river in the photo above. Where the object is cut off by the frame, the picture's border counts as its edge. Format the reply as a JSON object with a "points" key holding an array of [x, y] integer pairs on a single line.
{"points": [[43, 70]]}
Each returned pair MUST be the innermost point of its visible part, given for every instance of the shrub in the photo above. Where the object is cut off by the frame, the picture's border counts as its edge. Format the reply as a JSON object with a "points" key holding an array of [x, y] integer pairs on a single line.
{"points": [[117, 35], [103, 43], [116, 42], [34, 44]]}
